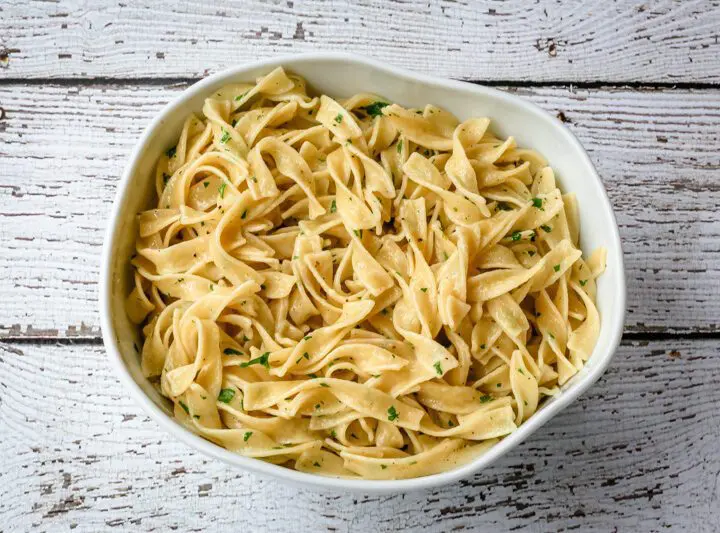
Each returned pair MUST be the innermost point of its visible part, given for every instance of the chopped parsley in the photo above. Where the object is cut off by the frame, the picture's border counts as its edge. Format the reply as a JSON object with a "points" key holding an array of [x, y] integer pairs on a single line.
{"points": [[333, 207], [232, 351], [521, 371], [316, 464], [338, 118], [438, 368], [483, 346], [583, 282], [324, 385], [556, 268], [502, 206], [546, 228], [306, 356], [225, 136], [171, 152], [383, 467], [262, 360], [205, 184], [238, 98], [375, 109], [531, 253], [313, 376], [307, 337], [358, 233], [392, 414], [226, 395], [221, 190], [247, 436], [485, 398], [424, 289], [184, 406], [537, 202], [516, 235], [244, 214], [445, 255], [166, 178], [399, 146], [333, 434]]}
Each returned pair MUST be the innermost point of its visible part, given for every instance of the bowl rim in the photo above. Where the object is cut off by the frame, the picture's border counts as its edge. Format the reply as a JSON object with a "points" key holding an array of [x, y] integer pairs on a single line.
{"points": [[613, 330]]}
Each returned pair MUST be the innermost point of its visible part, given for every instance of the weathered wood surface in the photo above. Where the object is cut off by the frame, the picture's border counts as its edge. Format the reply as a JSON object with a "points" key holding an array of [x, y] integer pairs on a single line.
{"points": [[637, 453], [619, 41], [62, 150]]}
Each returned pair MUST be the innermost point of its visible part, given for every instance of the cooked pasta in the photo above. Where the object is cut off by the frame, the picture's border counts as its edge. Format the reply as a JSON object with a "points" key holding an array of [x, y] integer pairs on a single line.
{"points": [[354, 288]]}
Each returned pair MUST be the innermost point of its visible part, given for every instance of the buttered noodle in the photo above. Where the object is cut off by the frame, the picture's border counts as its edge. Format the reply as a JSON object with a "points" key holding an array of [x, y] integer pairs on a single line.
{"points": [[353, 288]]}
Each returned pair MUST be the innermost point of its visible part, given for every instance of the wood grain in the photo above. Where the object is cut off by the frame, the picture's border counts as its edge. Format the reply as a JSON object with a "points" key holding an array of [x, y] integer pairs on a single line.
{"points": [[638, 452], [583, 41], [62, 150]]}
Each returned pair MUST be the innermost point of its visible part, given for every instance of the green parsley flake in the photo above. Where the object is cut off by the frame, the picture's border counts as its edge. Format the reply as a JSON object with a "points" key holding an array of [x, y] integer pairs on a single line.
{"points": [[502, 206], [325, 385], [358, 233], [185, 407], [483, 346], [226, 395], [537, 202], [206, 184], [424, 289], [262, 360], [375, 109], [238, 98], [383, 467], [438, 368], [485, 398], [556, 268], [171, 152], [316, 464], [392, 414], [521, 371], [583, 282], [546, 228], [399, 146], [307, 337], [333, 434], [231, 351], [221, 190], [531, 253], [166, 178], [306, 355], [333, 207], [247, 436], [225, 136], [244, 214], [516, 235], [338, 118]]}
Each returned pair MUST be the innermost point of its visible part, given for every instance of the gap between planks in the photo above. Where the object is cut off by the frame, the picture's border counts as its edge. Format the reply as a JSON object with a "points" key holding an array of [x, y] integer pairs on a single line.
{"points": [[163, 81], [627, 337]]}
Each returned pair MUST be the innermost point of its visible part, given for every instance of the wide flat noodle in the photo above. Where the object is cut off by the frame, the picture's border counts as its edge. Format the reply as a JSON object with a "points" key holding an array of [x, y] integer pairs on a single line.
{"points": [[356, 289]]}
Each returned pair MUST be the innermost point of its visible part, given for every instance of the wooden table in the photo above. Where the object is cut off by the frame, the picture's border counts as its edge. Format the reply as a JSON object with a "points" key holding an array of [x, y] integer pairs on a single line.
{"points": [[639, 83]]}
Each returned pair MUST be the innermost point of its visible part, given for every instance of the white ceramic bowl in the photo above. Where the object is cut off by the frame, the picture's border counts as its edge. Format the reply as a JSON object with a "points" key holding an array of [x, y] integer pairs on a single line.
{"points": [[342, 75]]}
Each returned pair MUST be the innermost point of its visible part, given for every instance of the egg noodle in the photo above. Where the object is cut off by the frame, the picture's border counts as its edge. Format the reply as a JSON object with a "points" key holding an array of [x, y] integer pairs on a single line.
{"points": [[352, 288]]}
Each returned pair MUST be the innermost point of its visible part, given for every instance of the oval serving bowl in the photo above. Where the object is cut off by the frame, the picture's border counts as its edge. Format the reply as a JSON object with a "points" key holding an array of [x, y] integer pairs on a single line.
{"points": [[341, 75]]}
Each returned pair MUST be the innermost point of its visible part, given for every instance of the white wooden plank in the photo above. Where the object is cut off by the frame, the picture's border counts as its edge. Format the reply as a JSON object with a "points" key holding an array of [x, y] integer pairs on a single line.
{"points": [[638, 452], [626, 40], [63, 148]]}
